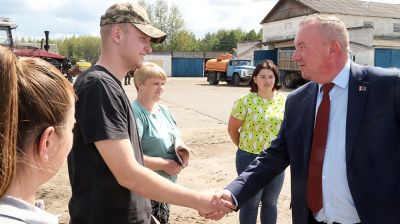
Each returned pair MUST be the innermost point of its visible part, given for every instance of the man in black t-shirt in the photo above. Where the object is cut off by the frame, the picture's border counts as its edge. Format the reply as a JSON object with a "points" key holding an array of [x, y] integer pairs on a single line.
{"points": [[109, 182]]}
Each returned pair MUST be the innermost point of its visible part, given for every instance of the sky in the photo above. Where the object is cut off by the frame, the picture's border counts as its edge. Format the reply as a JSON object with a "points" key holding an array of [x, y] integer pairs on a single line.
{"points": [[65, 18]]}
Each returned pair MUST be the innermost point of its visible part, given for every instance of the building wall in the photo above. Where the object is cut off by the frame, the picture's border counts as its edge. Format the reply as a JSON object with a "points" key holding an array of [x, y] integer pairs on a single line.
{"points": [[362, 55], [286, 29], [245, 50], [163, 59], [281, 30], [361, 45], [382, 26], [362, 37]]}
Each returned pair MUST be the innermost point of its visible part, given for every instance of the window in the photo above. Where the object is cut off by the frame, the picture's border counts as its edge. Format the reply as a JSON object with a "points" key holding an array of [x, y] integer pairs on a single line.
{"points": [[396, 27], [368, 23], [4, 36]]}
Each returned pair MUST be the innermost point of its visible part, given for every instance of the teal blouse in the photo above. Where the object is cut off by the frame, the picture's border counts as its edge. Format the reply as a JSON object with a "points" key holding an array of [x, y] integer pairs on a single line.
{"points": [[157, 132]]}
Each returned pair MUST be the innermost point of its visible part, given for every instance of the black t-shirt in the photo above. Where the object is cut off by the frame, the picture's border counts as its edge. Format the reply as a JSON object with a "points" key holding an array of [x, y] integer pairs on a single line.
{"points": [[103, 112]]}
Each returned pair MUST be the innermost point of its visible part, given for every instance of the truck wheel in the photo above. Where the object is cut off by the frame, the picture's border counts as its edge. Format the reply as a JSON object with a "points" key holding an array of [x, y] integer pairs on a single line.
{"points": [[212, 78], [288, 81], [236, 80]]}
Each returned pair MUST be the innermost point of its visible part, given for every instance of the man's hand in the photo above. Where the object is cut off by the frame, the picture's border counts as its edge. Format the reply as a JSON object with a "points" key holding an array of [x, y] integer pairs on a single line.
{"points": [[221, 201]]}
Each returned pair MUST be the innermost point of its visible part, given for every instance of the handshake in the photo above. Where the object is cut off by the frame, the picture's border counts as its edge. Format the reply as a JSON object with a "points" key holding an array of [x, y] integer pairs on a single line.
{"points": [[216, 205]]}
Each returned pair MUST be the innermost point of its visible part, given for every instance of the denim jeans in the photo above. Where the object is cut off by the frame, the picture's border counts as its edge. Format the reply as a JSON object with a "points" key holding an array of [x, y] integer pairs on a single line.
{"points": [[268, 196]]}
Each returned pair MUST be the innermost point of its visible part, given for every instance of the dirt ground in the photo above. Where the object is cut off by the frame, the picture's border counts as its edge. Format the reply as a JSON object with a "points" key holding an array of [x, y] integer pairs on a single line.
{"points": [[201, 112]]}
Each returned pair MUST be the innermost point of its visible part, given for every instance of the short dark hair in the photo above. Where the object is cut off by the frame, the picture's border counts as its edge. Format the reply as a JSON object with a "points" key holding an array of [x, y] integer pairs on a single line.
{"points": [[266, 64]]}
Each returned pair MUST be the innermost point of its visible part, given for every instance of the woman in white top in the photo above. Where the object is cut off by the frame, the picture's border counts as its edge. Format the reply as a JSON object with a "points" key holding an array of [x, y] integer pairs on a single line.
{"points": [[36, 121]]}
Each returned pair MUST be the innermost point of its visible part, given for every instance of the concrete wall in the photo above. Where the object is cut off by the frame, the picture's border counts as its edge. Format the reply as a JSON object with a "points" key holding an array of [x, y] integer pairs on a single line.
{"points": [[163, 59]]}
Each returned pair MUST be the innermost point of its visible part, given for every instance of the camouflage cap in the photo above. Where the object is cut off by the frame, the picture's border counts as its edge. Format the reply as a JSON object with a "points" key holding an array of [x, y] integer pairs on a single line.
{"points": [[134, 14]]}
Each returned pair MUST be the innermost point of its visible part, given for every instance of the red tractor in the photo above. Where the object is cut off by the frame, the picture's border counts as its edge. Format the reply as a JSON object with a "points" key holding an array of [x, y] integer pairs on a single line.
{"points": [[6, 39]]}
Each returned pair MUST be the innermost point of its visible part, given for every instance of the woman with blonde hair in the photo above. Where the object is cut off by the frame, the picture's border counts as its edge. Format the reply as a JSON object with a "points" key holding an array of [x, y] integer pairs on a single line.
{"points": [[36, 121], [158, 133]]}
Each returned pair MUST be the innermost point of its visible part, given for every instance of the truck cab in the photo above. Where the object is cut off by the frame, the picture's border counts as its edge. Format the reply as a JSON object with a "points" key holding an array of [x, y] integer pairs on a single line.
{"points": [[228, 69], [239, 70]]}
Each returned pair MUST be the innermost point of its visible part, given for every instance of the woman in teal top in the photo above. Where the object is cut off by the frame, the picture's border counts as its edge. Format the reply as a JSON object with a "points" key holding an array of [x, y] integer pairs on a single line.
{"points": [[157, 129], [254, 122]]}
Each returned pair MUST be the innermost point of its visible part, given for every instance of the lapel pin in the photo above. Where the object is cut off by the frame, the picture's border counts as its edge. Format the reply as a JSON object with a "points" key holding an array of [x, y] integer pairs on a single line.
{"points": [[362, 88]]}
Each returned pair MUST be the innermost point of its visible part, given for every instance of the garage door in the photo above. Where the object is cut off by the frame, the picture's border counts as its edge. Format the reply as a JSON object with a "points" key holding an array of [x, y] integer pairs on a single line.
{"points": [[387, 58], [187, 67]]}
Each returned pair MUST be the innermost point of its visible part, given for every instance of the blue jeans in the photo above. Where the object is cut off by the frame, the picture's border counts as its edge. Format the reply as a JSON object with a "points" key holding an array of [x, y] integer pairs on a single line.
{"points": [[268, 196]]}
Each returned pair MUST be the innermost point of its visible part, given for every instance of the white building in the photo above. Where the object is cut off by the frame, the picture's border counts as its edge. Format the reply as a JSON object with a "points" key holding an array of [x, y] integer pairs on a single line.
{"points": [[374, 28]]}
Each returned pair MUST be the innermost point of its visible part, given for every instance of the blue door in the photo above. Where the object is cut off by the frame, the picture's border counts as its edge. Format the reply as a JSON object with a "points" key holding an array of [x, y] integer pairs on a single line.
{"points": [[261, 55], [396, 58], [386, 58], [187, 67]]}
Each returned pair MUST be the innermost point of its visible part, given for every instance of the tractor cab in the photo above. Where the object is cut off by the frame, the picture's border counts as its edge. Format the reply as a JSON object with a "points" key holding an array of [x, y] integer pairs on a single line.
{"points": [[6, 25]]}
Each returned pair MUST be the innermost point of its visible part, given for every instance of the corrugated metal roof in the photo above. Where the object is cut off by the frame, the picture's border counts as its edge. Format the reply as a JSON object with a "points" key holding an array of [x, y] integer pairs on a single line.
{"points": [[354, 7]]}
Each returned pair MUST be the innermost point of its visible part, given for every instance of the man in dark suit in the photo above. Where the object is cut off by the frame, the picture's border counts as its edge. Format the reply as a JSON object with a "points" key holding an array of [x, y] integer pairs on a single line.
{"points": [[358, 176]]}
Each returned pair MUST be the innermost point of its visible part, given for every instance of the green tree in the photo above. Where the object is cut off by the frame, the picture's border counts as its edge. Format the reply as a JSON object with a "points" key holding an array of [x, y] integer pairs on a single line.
{"points": [[77, 48], [252, 36], [167, 19], [223, 40], [208, 42], [185, 41], [176, 25]]}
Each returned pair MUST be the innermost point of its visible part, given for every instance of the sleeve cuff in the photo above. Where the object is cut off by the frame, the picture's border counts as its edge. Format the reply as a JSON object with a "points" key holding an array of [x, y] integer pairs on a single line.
{"points": [[234, 199]]}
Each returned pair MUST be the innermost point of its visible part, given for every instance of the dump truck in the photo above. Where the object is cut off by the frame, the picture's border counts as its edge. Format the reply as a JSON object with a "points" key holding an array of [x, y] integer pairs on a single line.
{"points": [[228, 69], [6, 39], [290, 74]]}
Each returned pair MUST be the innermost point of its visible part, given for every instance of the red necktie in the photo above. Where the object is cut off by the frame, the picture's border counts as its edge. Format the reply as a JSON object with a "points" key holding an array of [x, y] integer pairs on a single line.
{"points": [[314, 186]]}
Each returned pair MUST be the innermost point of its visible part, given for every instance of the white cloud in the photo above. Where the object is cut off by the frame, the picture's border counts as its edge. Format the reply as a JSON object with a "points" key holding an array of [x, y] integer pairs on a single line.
{"points": [[43, 5], [209, 16]]}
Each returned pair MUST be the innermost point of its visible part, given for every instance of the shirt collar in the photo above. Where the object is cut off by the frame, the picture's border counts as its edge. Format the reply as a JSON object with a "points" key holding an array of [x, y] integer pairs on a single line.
{"points": [[342, 78]]}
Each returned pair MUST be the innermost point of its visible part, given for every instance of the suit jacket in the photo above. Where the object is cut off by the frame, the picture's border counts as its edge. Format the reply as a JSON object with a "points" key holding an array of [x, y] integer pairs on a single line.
{"points": [[372, 147]]}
